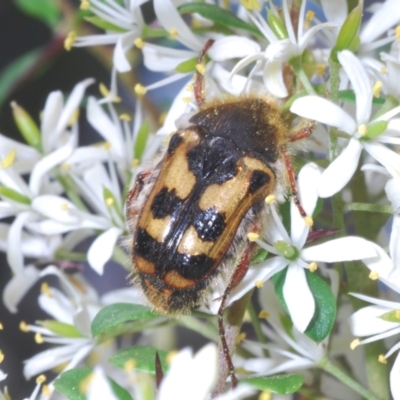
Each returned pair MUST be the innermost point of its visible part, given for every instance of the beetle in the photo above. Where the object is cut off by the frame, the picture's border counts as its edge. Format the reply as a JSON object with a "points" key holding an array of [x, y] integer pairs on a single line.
{"points": [[190, 214]]}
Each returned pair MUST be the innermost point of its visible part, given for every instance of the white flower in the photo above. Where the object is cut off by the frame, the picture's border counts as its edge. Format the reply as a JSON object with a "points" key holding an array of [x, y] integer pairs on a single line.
{"points": [[379, 321], [297, 294], [99, 386], [125, 25], [340, 171], [280, 49]]}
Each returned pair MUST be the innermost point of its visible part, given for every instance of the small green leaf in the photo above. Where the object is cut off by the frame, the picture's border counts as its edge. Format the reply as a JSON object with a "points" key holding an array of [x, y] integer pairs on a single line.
{"points": [[391, 316], [14, 195], [187, 66], [261, 255], [102, 24], [375, 129], [218, 15], [286, 250], [116, 314], [280, 384], [60, 328], [277, 26], [350, 97], [325, 304], [69, 382], [47, 11], [141, 140], [143, 358], [27, 126]]}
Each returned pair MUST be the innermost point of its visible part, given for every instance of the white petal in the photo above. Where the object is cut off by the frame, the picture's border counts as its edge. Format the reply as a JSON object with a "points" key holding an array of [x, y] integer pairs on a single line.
{"points": [[273, 79], [169, 17], [360, 82], [388, 158], [342, 249], [282, 50], [102, 248], [298, 297], [366, 321], [335, 11], [231, 84], [51, 114], [56, 208], [46, 164], [18, 286], [394, 378], [240, 392], [124, 43], [341, 170], [307, 181], [99, 386], [72, 105], [394, 246], [322, 110], [57, 305], [233, 46]]}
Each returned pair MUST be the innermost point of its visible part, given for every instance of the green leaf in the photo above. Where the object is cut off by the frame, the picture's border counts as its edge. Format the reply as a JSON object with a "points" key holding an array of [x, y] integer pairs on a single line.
{"points": [[48, 11], [12, 73], [141, 140], [325, 304], [143, 358], [187, 66], [116, 314], [218, 15], [69, 383], [391, 316], [280, 384], [349, 96], [14, 195], [102, 24]]}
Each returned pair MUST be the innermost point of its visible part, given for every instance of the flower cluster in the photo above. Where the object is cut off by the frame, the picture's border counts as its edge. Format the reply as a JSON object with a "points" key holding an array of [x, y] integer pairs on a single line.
{"points": [[318, 62]]}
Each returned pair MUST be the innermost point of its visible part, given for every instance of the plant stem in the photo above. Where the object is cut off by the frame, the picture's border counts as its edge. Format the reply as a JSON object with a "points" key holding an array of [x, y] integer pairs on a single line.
{"points": [[368, 207], [296, 64], [327, 366], [192, 323]]}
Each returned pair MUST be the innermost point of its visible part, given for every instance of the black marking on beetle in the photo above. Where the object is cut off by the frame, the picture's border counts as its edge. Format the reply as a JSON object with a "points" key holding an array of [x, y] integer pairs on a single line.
{"points": [[258, 179], [165, 203], [192, 267], [209, 224], [214, 161], [175, 141]]}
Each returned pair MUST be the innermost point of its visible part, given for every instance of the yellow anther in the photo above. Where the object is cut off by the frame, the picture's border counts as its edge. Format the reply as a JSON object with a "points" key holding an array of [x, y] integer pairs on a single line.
{"points": [[263, 314], [69, 40], [1, 356], [46, 390], [64, 206], [355, 343], [135, 162], [84, 384], [41, 379], [382, 359], [362, 129], [140, 90], [1, 326], [23, 326], [240, 337], [320, 69], [252, 236], [308, 220], [106, 145], [270, 199], [201, 69], [374, 275], [139, 43], [376, 90], [265, 395], [308, 19], [190, 88], [173, 33], [384, 69], [398, 314], [259, 284], [103, 90], [109, 201], [8, 160], [313, 266], [161, 118], [85, 5], [170, 356], [187, 99], [39, 338], [65, 167], [130, 365], [125, 117], [397, 32], [45, 289], [251, 4]]}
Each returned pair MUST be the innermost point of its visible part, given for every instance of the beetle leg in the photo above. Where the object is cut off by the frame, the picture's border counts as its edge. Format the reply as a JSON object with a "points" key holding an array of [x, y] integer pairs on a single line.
{"points": [[302, 131], [199, 76]]}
